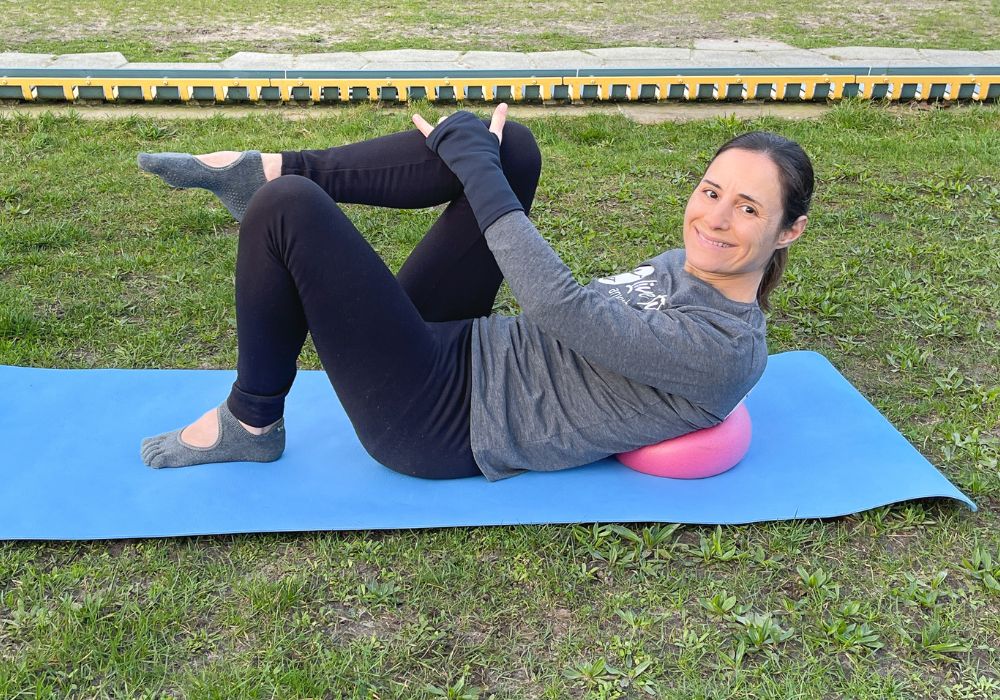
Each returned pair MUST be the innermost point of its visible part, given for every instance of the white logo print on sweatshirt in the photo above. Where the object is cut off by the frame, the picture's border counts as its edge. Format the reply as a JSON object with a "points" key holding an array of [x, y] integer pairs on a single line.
{"points": [[634, 289]]}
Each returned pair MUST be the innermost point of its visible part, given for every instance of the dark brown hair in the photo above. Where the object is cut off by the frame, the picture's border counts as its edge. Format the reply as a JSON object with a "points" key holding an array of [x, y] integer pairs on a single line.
{"points": [[795, 174]]}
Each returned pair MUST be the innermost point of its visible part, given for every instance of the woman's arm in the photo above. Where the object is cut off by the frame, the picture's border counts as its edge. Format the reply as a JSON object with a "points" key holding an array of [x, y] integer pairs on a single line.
{"points": [[684, 352], [690, 352], [472, 152]]}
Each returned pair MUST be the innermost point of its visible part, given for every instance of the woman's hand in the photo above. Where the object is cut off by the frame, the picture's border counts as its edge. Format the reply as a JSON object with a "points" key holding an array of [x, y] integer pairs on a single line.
{"points": [[496, 123], [471, 150]]}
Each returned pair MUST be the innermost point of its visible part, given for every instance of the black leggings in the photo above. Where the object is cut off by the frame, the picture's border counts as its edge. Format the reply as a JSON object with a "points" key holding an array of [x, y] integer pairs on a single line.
{"points": [[396, 349]]}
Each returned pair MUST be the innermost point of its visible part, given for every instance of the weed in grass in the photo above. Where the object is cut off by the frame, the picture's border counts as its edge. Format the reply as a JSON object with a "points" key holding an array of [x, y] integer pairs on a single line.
{"points": [[591, 675], [455, 691], [602, 680], [761, 632], [904, 357], [620, 547], [635, 621], [375, 593], [981, 566], [851, 636], [924, 593], [722, 604], [152, 131], [714, 548], [973, 687], [694, 644], [819, 584], [939, 641]]}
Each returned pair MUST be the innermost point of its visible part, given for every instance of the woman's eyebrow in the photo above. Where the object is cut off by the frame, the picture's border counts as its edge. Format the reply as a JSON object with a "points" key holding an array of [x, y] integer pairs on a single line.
{"points": [[745, 196]]}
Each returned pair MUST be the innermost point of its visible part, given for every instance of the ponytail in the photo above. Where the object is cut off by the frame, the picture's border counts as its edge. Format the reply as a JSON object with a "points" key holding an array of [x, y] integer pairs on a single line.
{"points": [[772, 275]]}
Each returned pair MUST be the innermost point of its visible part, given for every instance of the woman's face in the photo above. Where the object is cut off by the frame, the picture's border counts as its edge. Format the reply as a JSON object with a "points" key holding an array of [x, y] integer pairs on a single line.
{"points": [[732, 221]]}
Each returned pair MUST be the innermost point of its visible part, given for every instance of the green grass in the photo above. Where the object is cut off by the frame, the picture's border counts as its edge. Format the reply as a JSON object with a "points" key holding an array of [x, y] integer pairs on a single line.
{"points": [[147, 30], [896, 281]]}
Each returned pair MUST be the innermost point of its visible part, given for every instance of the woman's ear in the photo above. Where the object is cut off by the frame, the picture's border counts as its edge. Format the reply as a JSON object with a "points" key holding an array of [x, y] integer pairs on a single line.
{"points": [[792, 233]]}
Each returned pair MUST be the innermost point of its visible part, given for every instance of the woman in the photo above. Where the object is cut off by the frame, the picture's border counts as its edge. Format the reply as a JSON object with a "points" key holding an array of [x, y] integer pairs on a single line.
{"points": [[434, 385]]}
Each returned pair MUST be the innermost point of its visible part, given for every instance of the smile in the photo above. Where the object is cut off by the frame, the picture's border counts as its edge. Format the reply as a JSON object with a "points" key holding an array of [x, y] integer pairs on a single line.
{"points": [[711, 241]]}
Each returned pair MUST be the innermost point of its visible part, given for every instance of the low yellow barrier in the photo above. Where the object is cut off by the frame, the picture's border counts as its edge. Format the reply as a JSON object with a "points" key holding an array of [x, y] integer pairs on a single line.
{"points": [[565, 88]]}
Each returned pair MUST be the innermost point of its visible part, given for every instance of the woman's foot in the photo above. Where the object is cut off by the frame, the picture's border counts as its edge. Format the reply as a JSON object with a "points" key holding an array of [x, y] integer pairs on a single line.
{"points": [[233, 176], [271, 162], [204, 432], [215, 437]]}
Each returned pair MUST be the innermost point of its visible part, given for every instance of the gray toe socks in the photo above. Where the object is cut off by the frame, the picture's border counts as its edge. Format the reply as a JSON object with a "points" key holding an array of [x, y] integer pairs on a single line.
{"points": [[234, 184], [235, 444]]}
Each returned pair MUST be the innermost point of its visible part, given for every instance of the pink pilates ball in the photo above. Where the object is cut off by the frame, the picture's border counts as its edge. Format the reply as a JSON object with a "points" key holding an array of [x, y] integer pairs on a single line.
{"points": [[696, 455]]}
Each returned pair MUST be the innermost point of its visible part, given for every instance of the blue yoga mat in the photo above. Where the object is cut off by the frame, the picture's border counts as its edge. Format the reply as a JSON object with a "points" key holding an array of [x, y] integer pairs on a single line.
{"points": [[819, 449]]}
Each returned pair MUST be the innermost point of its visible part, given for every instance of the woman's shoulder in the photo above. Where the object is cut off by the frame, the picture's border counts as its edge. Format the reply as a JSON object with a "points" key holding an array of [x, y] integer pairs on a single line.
{"points": [[669, 259], [691, 292]]}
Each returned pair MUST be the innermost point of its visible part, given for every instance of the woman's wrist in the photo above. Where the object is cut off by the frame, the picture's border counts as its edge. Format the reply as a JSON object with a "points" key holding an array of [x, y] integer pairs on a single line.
{"points": [[472, 152]]}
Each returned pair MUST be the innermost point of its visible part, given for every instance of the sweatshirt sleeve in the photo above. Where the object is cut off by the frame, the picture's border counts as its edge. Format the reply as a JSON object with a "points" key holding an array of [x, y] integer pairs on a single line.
{"points": [[472, 152], [691, 352]]}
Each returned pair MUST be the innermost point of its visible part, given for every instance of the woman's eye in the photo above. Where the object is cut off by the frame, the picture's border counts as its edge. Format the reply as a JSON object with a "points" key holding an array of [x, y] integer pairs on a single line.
{"points": [[711, 194], [749, 210]]}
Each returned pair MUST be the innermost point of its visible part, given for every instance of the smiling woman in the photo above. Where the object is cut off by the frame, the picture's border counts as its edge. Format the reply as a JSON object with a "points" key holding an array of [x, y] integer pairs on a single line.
{"points": [[748, 208], [435, 384]]}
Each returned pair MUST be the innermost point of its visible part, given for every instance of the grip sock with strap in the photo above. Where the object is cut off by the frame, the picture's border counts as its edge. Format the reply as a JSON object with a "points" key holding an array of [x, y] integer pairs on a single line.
{"points": [[234, 444], [233, 184]]}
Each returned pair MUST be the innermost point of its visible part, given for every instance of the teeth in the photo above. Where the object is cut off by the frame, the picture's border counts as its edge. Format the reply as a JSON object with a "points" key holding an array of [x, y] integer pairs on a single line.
{"points": [[715, 243]]}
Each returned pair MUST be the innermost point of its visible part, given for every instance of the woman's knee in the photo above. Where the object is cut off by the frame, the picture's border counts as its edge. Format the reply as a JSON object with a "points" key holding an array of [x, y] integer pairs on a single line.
{"points": [[290, 207], [519, 153], [521, 161], [285, 193]]}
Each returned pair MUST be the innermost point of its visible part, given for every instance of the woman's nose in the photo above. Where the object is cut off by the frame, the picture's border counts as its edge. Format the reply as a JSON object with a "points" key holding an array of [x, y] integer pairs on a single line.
{"points": [[718, 216]]}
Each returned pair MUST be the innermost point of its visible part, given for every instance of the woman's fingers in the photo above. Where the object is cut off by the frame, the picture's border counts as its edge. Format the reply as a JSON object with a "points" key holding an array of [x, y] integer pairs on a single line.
{"points": [[499, 119], [422, 125], [496, 123]]}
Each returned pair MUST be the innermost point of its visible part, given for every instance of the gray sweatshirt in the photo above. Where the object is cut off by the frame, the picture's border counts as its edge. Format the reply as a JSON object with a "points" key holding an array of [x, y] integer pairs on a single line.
{"points": [[589, 371]]}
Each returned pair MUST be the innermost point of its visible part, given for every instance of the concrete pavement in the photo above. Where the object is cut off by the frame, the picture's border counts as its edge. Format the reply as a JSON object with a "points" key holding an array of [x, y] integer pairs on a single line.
{"points": [[705, 53]]}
